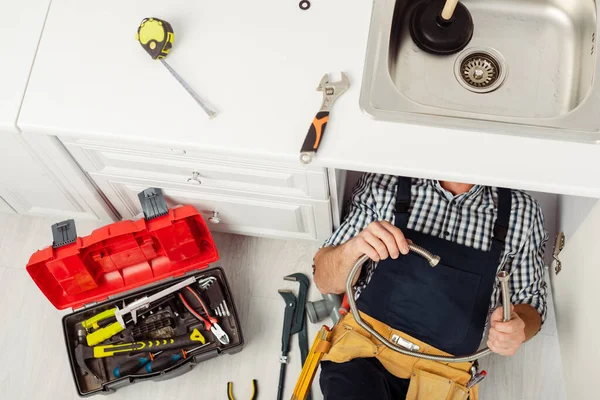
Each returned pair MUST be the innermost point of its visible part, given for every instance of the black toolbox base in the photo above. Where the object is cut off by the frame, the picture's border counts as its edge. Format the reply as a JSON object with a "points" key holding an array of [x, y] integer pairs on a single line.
{"points": [[88, 385]]}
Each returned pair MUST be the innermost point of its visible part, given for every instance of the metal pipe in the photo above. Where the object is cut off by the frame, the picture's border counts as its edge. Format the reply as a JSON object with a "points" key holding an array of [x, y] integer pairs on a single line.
{"points": [[503, 277], [433, 261]]}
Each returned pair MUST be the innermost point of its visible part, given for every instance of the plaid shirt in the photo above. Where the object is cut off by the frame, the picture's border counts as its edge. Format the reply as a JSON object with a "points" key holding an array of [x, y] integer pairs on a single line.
{"points": [[467, 219]]}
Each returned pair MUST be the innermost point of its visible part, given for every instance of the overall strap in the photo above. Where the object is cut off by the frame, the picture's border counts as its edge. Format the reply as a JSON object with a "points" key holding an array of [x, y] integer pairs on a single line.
{"points": [[502, 219], [403, 195]]}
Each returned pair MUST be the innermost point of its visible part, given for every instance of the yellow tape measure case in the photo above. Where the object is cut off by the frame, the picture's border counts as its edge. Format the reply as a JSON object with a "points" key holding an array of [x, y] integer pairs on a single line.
{"points": [[156, 37]]}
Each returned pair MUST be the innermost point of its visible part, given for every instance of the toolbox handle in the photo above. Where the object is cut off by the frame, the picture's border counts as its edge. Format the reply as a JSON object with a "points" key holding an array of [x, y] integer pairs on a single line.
{"points": [[63, 233], [153, 203]]}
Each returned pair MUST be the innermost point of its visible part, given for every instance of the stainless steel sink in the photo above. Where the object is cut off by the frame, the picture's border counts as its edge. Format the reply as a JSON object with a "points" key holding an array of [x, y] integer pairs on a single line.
{"points": [[529, 70]]}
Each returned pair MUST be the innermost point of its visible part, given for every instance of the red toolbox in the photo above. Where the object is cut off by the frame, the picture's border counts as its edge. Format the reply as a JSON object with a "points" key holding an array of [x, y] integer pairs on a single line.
{"points": [[115, 280]]}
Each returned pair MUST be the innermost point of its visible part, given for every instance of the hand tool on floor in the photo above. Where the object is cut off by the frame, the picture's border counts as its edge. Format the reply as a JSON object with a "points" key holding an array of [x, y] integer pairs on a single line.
{"points": [[210, 322], [299, 323], [288, 321], [156, 37], [132, 308], [441, 27], [331, 91], [252, 396], [319, 347], [83, 353], [166, 360]]}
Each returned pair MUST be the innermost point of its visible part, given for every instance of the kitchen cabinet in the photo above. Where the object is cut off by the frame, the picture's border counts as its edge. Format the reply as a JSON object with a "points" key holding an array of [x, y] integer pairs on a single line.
{"points": [[575, 290], [229, 212], [235, 194], [29, 187], [37, 176], [261, 73]]}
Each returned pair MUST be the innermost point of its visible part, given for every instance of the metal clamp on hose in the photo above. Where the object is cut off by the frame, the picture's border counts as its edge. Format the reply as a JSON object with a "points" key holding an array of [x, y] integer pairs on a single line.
{"points": [[433, 261]]}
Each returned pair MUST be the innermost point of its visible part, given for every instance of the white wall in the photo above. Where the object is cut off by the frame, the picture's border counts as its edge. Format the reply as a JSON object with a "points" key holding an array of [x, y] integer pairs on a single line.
{"points": [[572, 211]]}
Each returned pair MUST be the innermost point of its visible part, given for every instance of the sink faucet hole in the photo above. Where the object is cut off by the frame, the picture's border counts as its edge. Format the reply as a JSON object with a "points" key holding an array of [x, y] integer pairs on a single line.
{"points": [[480, 70]]}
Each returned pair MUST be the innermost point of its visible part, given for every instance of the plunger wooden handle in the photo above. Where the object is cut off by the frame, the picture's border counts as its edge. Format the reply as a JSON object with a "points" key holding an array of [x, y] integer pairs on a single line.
{"points": [[449, 8]]}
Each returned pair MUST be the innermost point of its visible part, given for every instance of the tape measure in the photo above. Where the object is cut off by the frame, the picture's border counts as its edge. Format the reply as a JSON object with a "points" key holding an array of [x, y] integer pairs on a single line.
{"points": [[156, 37]]}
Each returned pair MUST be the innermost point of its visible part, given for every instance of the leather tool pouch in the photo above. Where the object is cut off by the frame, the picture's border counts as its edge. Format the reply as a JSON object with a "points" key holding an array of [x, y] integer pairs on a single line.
{"points": [[431, 382], [348, 344]]}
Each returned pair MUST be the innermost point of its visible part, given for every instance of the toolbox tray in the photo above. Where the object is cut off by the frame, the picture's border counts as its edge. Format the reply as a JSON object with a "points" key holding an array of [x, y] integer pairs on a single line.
{"points": [[124, 261]]}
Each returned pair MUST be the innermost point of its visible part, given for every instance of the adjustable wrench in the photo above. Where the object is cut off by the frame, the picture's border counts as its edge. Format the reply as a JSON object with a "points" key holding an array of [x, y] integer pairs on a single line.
{"points": [[331, 91]]}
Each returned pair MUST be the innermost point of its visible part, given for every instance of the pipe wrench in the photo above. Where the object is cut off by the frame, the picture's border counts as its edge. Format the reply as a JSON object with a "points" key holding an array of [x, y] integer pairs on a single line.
{"points": [[331, 91]]}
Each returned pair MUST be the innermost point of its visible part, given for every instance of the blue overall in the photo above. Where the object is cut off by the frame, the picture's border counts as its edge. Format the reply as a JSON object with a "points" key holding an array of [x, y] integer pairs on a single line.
{"points": [[445, 306]]}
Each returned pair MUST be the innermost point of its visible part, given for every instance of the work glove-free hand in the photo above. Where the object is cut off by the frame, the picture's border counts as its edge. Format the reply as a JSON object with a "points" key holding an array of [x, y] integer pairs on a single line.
{"points": [[505, 338]]}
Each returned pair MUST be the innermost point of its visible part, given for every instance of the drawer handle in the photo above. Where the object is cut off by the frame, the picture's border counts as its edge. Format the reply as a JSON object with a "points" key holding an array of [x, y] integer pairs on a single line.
{"points": [[195, 178], [215, 218]]}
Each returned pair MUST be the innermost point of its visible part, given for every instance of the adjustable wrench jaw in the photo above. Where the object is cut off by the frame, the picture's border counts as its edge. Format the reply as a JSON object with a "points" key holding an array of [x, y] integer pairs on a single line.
{"points": [[331, 91]]}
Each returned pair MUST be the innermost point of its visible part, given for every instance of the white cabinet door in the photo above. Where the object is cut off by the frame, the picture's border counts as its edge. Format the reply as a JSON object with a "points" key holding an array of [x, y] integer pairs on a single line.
{"points": [[237, 212], [577, 305], [28, 187]]}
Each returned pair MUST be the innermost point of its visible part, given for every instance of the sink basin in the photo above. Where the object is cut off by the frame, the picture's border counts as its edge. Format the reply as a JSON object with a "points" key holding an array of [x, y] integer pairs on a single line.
{"points": [[529, 70]]}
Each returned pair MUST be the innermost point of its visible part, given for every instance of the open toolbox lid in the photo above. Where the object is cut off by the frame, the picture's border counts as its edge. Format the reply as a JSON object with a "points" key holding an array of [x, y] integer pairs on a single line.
{"points": [[122, 256]]}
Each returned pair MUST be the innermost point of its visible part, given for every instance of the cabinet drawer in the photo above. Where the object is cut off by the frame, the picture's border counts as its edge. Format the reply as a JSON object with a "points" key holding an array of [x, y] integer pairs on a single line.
{"points": [[240, 213], [193, 170]]}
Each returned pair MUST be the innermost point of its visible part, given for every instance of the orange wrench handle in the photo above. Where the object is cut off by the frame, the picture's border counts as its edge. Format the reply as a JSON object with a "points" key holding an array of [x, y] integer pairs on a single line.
{"points": [[315, 132]]}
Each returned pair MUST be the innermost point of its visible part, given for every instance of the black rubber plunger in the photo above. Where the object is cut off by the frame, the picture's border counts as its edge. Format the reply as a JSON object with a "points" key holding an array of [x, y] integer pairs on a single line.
{"points": [[436, 35]]}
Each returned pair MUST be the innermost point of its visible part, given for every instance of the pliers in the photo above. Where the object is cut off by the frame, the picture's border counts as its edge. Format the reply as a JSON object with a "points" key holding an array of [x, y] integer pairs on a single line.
{"points": [[230, 390], [210, 322]]}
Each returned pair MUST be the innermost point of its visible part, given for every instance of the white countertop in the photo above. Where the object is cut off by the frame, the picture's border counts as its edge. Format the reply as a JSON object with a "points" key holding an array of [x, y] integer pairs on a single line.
{"points": [[259, 63], [22, 23]]}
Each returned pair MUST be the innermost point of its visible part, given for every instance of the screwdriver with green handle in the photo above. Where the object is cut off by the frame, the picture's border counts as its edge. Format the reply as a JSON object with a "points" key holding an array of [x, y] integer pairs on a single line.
{"points": [[156, 37]]}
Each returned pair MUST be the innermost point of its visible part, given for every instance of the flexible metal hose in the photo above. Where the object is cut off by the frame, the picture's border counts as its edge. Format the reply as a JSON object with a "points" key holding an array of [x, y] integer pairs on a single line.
{"points": [[433, 261]]}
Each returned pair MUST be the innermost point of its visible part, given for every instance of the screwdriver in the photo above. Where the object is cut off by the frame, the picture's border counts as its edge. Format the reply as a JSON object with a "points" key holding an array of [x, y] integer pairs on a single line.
{"points": [[163, 362], [135, 364], [156, 37]]}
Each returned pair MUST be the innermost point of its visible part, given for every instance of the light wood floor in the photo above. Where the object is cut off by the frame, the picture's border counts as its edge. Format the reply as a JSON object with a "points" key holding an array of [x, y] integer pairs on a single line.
{"points": [[34, 364]]}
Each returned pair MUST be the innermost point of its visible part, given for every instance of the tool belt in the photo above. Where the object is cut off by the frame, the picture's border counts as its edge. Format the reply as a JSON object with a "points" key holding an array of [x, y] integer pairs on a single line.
{"points": [[429, 380]]}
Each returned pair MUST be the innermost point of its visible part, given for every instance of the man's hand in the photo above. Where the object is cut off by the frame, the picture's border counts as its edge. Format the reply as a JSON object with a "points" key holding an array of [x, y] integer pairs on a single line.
{"points": [[379, 240], [505, 338]]}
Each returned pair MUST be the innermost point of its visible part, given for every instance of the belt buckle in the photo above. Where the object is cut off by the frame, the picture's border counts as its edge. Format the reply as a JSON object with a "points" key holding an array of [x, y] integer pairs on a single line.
{"points": [[400, 341]]}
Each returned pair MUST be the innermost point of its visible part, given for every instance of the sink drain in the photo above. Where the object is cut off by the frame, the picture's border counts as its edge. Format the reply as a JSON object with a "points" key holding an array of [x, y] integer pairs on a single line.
{"points": [[480, 70]]}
